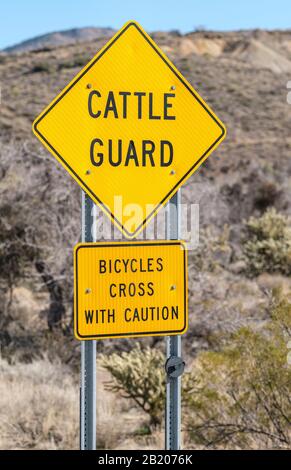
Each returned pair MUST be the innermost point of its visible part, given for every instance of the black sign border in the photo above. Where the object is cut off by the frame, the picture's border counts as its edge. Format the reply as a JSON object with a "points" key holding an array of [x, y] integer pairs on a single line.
{"points": [[126, 244], [89, 191]]}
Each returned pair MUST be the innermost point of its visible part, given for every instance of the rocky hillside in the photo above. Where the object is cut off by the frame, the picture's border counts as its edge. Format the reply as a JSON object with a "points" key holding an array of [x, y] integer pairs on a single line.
{"points": [[61, 38], [243, 76]]}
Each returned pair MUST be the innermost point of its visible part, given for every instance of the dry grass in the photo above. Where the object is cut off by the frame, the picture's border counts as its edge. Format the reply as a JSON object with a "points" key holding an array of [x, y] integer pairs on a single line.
{"points": [[39, 405]]}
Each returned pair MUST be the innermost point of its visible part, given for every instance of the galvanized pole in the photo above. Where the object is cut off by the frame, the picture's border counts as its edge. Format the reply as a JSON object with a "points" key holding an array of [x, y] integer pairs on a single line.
{"points": [[88, 353], [174, 363]]}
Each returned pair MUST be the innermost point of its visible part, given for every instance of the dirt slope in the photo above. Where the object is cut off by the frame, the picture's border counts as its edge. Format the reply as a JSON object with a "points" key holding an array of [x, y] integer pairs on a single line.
{"points": [[243, 76]]}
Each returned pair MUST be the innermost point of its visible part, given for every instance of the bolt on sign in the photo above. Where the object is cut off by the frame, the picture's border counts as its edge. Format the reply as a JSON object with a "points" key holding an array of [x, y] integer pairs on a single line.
{"points": [[130, 289], [129, 129]]}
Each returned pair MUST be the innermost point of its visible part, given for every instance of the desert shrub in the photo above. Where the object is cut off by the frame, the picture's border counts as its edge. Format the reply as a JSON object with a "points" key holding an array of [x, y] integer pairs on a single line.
{"points": [[265, 194], [46, 67], [267, 246], [241, 397], [235, 397], [79, 60], [139, 375], [213, 251], [15, 254], [37, 222]]}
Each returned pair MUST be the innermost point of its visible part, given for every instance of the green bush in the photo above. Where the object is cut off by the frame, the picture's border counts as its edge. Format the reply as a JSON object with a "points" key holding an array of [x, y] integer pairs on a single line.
{"points": [[237, 397], [40, 67], [267, 247], [139, 375], [213, 251], [79, 60], [242, 393]]}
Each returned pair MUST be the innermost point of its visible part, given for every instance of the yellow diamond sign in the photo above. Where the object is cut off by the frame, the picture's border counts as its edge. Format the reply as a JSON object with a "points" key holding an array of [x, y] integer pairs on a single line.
{"points": [[130, 129]]}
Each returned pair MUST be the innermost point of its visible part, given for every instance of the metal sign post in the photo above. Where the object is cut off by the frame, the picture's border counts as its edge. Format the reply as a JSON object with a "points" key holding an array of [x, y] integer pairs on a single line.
{"points": [[88, 354], [174, 364], [157, 139]]}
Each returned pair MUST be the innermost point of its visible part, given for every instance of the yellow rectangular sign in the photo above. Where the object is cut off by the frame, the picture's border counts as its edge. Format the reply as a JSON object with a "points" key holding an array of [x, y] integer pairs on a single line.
{"points": [[130, 289]]}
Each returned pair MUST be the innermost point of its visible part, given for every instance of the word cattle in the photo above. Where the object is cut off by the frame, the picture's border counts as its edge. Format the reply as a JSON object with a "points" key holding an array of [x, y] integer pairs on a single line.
{"points": [[129, 127]]}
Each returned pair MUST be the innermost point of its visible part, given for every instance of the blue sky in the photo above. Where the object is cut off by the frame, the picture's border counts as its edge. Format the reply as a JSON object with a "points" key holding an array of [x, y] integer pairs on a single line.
{"points": [[23, 19]]}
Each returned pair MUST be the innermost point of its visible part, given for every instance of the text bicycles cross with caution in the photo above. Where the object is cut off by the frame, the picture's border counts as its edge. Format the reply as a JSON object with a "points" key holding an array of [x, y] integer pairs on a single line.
{"points": [[130, 289]]}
